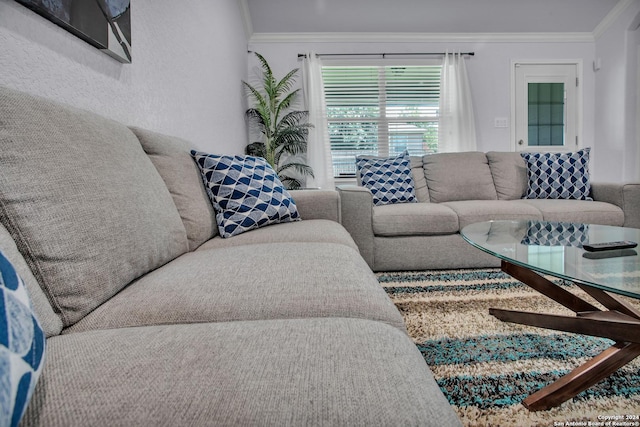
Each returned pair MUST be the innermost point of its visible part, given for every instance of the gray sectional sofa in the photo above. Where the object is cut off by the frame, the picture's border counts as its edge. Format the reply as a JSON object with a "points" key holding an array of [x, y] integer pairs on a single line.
{"points": [[153, 319], [458, 189]]}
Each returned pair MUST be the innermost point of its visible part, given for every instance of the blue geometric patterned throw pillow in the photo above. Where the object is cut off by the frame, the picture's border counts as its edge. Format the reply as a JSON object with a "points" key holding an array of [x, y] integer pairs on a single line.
{"points": [[389, 180], [22, 344], [245, 192], [558, 175]]}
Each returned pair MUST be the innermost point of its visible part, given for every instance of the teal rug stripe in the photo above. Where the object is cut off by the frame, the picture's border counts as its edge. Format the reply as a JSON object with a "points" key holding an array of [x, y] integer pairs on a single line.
{"points": [[442, 276], [396, 290], [489, 282], [510, 348], [491, 391]]}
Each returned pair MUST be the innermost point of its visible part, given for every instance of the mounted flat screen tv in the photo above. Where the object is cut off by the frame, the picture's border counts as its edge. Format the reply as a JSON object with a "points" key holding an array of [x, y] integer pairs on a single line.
{"points": [[105, 24]]}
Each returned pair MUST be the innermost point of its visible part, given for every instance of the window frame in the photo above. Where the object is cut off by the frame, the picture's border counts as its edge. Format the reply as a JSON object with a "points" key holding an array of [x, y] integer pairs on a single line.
{"points": [[384, 142]]}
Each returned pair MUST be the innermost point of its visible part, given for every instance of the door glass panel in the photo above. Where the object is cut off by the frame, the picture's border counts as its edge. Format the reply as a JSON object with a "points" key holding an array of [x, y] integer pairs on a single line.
{"points": [[546, 118]]}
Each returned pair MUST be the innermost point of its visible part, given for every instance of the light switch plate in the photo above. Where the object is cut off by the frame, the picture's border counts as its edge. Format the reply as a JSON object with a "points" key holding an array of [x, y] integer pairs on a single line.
{"points": [[501, 122]]}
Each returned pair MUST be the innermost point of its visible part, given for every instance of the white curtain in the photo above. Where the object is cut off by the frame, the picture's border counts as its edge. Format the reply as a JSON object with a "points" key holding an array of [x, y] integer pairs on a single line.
{"points": [[318, 145], [457, 122]]}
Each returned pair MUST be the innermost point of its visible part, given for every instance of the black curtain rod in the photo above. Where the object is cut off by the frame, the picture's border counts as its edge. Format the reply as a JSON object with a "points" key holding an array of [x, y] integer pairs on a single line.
{"points": [[304, 55]]}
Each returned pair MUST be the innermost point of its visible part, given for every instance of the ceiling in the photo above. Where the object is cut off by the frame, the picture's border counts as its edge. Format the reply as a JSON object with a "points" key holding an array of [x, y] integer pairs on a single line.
{"points": [[586, 17]]}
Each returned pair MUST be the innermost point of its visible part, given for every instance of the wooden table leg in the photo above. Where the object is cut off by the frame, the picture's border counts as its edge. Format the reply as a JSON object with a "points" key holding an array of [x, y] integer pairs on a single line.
{"points": [[619, 322], [612, 325], [583, 377], [546, 287], [611, 301]]}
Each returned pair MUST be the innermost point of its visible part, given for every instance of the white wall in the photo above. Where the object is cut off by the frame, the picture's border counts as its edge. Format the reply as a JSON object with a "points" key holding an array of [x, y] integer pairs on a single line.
{"points": [[185, 79], [637, 121], [616, 93], [489, 73]]}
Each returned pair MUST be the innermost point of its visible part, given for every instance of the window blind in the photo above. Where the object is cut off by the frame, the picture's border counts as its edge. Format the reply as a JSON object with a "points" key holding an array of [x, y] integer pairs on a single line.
{"points": [[380, 110]]}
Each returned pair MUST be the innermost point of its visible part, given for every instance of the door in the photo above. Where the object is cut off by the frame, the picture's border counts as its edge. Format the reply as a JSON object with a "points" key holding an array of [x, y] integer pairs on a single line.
{"points": [[546, 107]]}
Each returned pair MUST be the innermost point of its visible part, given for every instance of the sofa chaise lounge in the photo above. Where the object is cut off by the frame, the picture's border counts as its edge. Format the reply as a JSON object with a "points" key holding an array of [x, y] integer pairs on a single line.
{"points": [[151, 318], [457, 189]]}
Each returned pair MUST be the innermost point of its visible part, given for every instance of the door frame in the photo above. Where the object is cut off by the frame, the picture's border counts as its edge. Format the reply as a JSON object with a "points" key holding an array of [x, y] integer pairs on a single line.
{"points": [[579, 97]]}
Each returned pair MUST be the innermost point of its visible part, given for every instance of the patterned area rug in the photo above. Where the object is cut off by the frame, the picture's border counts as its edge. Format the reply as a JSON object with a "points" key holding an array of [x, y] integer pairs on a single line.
{"points": [[487, 367]]}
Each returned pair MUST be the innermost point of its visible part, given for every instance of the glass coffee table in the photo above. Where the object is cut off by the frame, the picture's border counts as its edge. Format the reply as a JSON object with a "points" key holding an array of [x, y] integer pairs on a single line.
{"points": [[530, 249]]}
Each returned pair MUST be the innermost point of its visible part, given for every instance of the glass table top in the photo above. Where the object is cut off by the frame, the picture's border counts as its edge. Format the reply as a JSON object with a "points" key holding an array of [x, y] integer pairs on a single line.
{"points": [[555, 248]]}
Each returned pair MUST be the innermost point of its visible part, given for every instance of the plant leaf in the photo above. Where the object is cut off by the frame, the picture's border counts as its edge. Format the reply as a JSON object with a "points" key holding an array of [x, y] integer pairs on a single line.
{"points": [[286, 102], [257, 149], [290, 183], [301, 168]]}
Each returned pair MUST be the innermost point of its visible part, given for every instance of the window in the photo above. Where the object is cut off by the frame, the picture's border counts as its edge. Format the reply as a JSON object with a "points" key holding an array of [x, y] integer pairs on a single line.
{"points": [[380, 110], [546, 114]]}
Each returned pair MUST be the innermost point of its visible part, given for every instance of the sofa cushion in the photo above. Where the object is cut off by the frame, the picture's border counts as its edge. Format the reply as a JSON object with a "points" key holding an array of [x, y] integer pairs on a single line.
{"points": [[171, 157], [309, 230], [85, 205], [50, 322], [251, 282], [245, 191], [558, 175], [588, 212], [419, 180], [471, 211], [459, 176], [300, 372], [22, 346], [414, 219], [389, 179], [509, 172]]}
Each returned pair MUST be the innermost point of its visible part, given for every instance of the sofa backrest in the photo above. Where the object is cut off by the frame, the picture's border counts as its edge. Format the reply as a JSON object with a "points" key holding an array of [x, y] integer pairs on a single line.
{"points": [[83, 202], [419, 180], [171, 157], [509, 172], [458, 176]]}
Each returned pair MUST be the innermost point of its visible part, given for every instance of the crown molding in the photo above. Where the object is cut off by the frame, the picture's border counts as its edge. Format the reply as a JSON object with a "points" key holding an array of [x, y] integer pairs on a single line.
{"points": [[421, 37], [611, 17]]}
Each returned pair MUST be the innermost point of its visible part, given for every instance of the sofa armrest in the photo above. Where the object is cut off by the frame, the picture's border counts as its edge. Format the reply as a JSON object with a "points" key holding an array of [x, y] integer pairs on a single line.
{"points": [[624, 195], [317, 204], [357, 218]]}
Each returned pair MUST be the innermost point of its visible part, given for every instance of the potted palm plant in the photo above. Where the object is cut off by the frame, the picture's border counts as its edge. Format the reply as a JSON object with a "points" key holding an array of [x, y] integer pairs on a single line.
{"points": [[283, 130]]}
